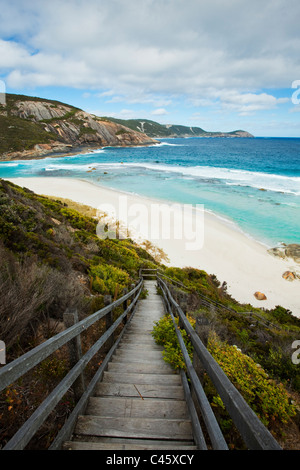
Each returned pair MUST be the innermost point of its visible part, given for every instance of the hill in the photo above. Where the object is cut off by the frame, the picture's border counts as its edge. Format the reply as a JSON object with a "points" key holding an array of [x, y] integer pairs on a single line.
{"points": [[36, 127], [52, 259], [155, 130]]}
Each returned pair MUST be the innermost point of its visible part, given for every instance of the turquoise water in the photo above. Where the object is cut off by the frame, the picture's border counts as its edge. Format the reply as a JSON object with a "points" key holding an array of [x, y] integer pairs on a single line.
{"points": [[252, 182]]}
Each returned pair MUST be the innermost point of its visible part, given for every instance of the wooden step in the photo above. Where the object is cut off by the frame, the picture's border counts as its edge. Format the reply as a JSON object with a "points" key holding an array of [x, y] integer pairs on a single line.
{"points": [[139, 403], [121, 440], [131, 355], [131, 378], [81, 445], [136, 330], [173, 392], [141, 324], [140, 368], [144, 338], [138, 359], [141, 428], [137, 345], [136, 408]]}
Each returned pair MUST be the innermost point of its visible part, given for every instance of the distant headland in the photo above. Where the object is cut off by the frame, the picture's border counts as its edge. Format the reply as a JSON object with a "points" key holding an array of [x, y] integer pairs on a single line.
{"points": [[32, 127]]}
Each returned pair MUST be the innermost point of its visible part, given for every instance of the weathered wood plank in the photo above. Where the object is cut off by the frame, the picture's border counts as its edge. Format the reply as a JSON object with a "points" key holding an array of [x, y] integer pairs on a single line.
{"points": [[130, 346], [140, 367], [146, 391], [171, 429], [137, 408], [78, 445], [132, 378], [132, 354], [138, 359]]}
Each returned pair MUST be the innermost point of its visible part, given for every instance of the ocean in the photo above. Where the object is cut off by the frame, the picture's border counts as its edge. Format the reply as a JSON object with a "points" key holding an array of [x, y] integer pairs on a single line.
{"points": [[253, 183]]}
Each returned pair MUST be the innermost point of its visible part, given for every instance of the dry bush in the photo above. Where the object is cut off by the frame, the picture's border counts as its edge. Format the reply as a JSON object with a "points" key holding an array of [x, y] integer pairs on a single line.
{"points": [[30, 292]]}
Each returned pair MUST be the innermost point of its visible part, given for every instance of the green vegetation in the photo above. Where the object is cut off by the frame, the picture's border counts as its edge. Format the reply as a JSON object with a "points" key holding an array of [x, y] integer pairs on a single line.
{"points": [[155, 130], [57, 248], [69, 115], [268, 398], [52, 259], [24, 124], [122, 132], [11, 100], [254, 352], [18, 134], [165, 335]]}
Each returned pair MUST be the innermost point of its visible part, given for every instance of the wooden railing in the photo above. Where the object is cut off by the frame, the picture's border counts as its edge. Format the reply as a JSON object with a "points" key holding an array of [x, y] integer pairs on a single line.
{"points": [[255, 435], [71, 336], [207, 302]]}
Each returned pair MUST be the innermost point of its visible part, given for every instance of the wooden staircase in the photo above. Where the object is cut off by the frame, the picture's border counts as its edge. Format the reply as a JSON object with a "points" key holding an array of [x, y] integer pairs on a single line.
{"points": [[140, 402]]}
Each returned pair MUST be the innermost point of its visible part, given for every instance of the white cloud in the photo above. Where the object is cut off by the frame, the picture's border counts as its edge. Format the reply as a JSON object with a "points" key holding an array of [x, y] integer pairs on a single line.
{"points": [[151, 51], [159, 112], [247, 103]]}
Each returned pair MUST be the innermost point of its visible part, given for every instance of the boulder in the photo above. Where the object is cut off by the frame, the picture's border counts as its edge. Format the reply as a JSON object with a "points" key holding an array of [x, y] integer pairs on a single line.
{"points": [[278, 251], [287, 251], [293, 251], [260, 296], [289, 276]]}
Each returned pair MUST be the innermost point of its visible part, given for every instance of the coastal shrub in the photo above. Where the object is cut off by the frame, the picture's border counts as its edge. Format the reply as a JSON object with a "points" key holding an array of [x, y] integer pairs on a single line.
{"points": [[51, 368], [29, 291], [18, 134], [122, 131], [268, 399], [106, 279], [165, 335], [78, 221], [278, 363], [199, 281], [284, 316]]}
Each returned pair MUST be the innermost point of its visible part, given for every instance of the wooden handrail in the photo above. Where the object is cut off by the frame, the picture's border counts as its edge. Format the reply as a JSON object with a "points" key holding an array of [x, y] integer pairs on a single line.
{"points": [[215, 434], [209, 302], [20, 366], [16, 369], [254, 433]]}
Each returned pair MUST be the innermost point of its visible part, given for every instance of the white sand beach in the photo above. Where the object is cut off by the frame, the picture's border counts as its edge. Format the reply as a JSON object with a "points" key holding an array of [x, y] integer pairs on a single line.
{"points": [[228, 253]]}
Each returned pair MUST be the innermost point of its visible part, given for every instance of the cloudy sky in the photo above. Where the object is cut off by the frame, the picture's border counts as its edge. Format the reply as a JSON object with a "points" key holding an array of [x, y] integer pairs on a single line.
{"points": [[216, 64]]}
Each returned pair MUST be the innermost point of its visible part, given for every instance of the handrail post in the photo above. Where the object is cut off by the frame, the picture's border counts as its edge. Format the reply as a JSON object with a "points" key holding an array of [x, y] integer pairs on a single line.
{"points": [[109, 321], [75, 351], [125, 305]]}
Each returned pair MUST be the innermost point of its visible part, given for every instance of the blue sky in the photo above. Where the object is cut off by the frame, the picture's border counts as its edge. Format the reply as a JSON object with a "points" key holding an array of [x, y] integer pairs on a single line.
{"points": [[213, 64]]}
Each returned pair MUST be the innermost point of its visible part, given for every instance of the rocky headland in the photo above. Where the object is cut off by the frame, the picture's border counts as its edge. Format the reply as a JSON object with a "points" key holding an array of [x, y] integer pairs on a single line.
{"points": [[34, 128]]}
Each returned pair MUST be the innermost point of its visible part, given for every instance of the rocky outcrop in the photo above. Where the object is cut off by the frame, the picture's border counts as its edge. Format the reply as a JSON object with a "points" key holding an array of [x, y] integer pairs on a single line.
{"points": [[70, 128], [291, 251], [39, 110]]}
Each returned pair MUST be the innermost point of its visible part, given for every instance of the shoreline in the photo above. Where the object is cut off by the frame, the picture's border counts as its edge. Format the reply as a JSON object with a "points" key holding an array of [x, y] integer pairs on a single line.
{"points": [[233, 256], [81, 150]]}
